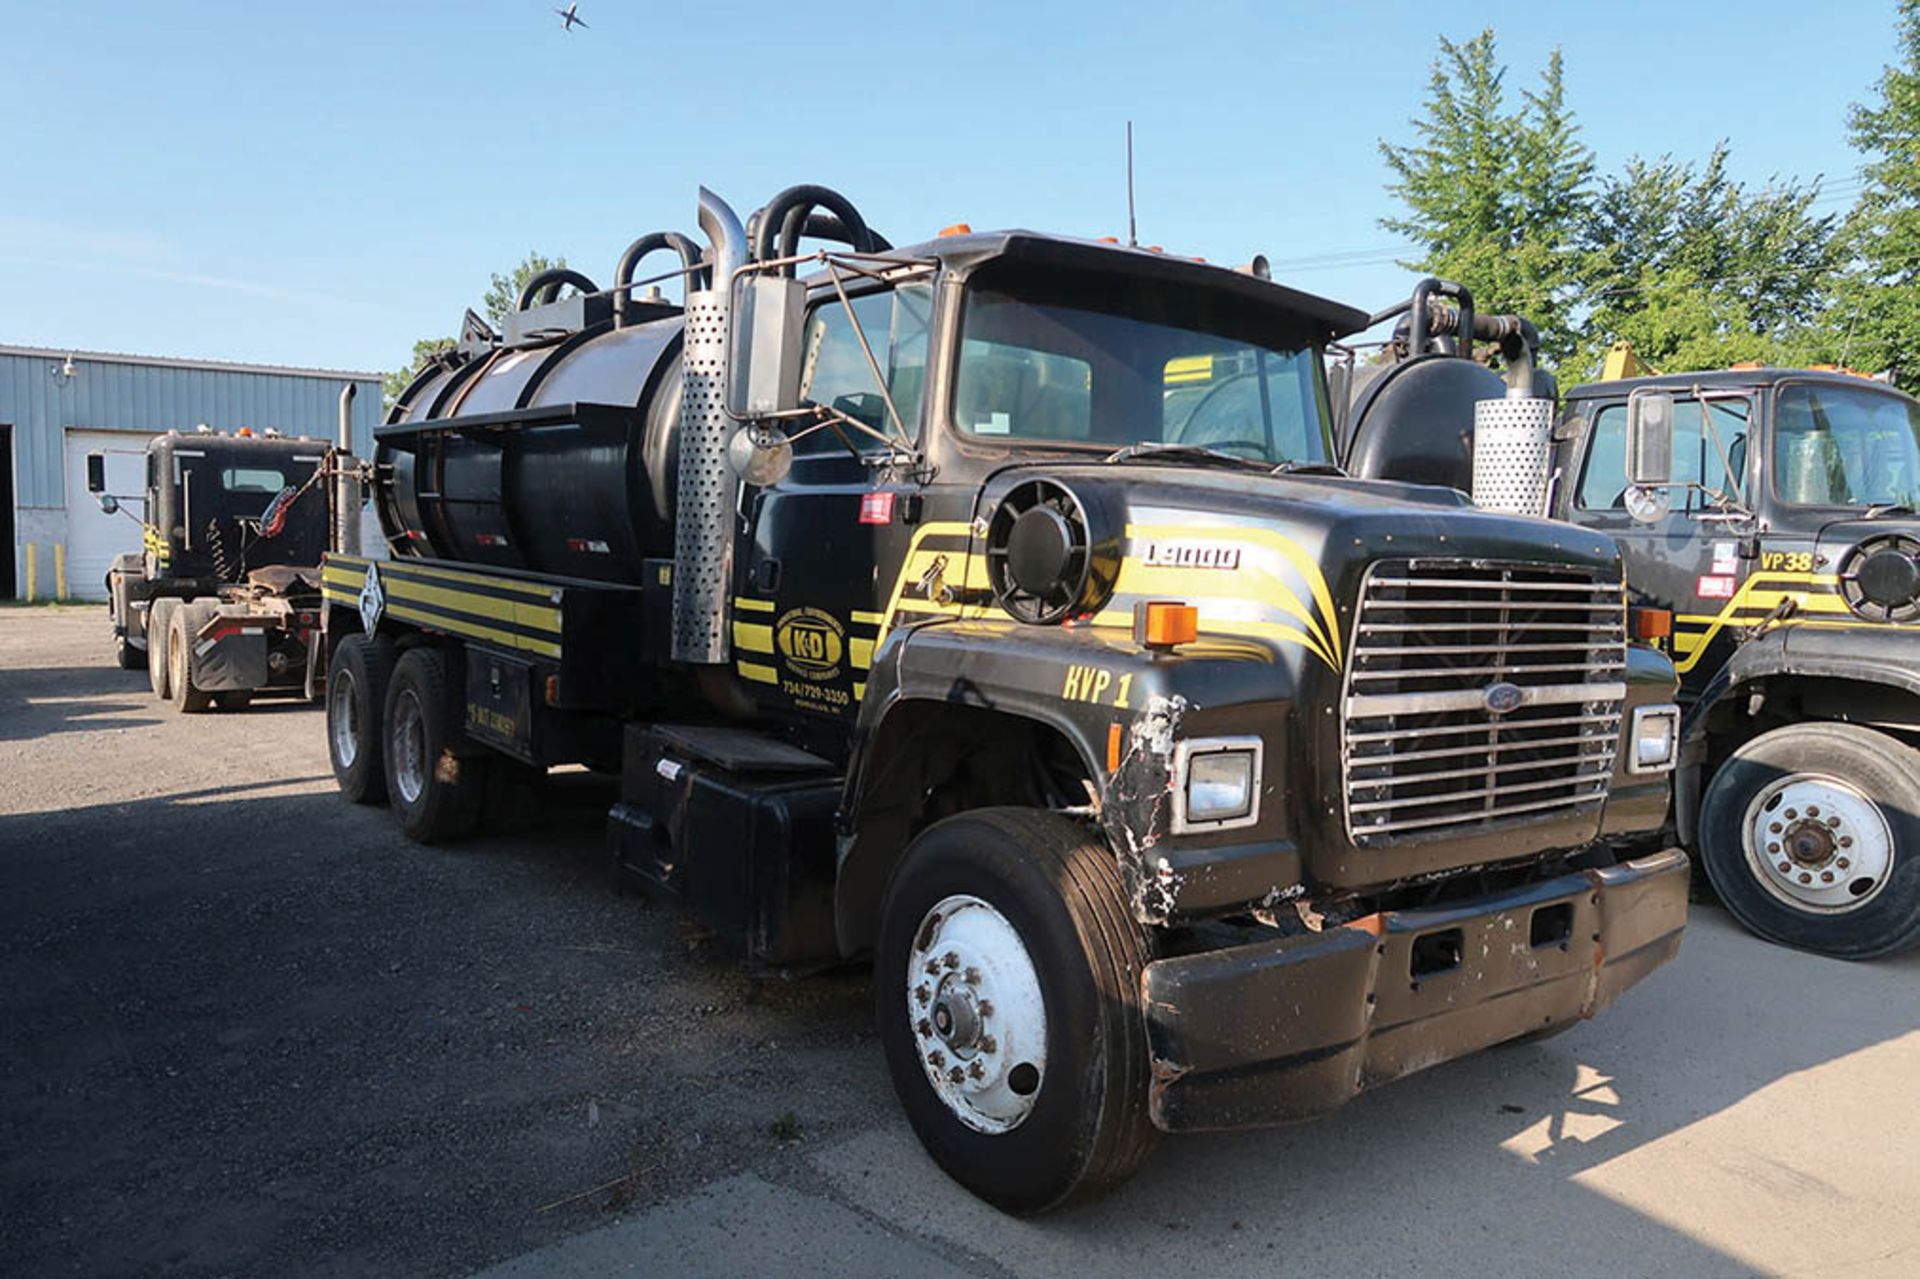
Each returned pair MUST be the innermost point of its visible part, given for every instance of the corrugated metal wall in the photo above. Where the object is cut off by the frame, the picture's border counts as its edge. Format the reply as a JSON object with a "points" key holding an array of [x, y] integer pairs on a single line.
{"points": [[111, 396]]}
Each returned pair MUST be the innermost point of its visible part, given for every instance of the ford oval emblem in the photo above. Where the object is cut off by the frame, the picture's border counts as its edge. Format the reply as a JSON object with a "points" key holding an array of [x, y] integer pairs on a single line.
{"points": [[1504, 697]]}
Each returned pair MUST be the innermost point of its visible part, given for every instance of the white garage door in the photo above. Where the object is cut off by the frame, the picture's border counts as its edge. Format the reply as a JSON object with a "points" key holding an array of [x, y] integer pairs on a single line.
{"points": [[93, 536]]}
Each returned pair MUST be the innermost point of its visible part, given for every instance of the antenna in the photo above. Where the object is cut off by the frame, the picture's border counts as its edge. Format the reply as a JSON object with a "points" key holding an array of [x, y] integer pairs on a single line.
{"points": [[1133, 237]]}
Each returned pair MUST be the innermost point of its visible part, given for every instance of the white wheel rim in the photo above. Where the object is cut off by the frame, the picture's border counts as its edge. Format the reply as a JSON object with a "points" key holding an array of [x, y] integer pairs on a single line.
{"points": [[976, 1012], [1817, 844], [409, 746], [346, 723]]}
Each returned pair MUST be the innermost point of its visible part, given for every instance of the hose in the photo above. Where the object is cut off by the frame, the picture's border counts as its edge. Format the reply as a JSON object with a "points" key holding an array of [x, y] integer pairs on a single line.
{"points": [[791, 213], [545, 287], [698, 276]]}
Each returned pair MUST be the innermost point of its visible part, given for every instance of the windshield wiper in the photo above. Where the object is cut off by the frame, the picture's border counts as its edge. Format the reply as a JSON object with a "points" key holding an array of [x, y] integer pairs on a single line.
{"points": [[1308, 468], [1181, 453], [1878, 509]]}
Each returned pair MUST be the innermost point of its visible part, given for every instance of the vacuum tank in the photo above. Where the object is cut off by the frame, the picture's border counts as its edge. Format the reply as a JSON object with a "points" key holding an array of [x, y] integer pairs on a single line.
{"points": [[552, 447]]}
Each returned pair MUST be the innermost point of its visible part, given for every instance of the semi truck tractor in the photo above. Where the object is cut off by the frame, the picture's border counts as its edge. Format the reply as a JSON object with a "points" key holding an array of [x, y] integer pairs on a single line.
{"points": [[992, 609], [223, 601], [1770, 524]]}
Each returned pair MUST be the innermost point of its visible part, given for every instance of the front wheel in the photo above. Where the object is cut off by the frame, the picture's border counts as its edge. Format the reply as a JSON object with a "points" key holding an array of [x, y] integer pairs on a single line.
{"points": [[1811, 836], [1007, 988], [435, 780]]}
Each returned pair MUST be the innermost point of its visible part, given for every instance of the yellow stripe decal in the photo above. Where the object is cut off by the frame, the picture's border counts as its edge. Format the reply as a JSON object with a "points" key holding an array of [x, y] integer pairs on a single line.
{"points": [[748, 604], [531, 615], [859, 692], [861, 651], [1321, 621], [758, 673], [471, 630], [868, 619], [754, 637]]}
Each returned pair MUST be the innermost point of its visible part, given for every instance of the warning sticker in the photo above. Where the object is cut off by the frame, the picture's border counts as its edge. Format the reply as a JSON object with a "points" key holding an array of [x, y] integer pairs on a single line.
{"points": [[1726, 558], [1714, 587]]}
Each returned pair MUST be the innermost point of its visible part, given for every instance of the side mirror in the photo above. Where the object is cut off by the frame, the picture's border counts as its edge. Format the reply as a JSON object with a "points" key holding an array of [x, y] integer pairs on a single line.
{"points": [[109, 504], [1649, 439], [764, 345], [96, 472]]}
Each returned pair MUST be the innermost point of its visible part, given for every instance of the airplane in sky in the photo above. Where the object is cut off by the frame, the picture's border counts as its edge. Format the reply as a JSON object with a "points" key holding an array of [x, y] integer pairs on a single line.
{"points": [[569, 19]]}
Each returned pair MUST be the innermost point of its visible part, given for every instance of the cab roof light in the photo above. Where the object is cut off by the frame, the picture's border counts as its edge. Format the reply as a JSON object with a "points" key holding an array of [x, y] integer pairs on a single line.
{"points": [[1164, 625], [958, 228]]}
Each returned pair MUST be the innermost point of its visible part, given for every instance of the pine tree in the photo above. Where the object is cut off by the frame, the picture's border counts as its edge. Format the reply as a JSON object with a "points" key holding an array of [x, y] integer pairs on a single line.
{"points": [[1879, 308], [1495, 196]]}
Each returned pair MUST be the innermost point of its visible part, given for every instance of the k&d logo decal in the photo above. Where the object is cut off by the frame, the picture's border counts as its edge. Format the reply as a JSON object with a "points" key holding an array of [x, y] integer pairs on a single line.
{"points": [[812, 642]]}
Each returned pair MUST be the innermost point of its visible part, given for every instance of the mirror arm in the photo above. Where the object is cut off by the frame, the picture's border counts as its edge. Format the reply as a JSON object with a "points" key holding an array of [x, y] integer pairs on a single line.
{"points": [[873, 365]]}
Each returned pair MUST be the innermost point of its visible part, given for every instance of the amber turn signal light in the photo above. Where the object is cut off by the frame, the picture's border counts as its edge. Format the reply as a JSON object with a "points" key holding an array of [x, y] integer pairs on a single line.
{"points": [[1651, 624], [1165, 624]]}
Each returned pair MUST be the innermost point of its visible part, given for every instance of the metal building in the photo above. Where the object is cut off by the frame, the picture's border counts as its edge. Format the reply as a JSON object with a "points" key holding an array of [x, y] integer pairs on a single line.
{"points": [[57, 406]]}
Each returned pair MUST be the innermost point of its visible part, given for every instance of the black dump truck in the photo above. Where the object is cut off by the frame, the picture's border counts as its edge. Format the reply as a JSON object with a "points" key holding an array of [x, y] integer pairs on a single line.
{"points": [[224, 601], [992, 608], [1770, 523]]}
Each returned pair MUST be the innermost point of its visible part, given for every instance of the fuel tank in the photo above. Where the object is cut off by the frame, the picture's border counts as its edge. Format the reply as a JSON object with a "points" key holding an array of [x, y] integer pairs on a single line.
{"points": [[555, 456]]}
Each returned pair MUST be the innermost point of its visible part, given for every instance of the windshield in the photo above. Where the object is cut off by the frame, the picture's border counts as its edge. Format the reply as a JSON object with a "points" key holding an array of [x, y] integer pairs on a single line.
{"points": [[1116, 367], [1845, 446]]}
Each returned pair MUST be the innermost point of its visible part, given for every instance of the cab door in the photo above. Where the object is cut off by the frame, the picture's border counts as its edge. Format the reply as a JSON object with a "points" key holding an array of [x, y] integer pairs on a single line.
{"points": [[826, 544], [1689, 560]]}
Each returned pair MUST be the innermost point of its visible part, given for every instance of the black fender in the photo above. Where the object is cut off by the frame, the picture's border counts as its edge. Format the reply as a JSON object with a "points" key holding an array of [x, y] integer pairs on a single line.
{"points": [[995, 684], [1865, 661]]}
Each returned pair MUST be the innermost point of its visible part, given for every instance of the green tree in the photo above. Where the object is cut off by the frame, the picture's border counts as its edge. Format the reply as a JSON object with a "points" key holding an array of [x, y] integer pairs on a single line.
{"points": [[503, 291], [1697, 271], [1496, 194], [1878, 313]]}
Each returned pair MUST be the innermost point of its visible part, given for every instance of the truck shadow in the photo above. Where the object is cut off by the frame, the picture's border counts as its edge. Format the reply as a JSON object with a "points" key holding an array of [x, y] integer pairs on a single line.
{"points": [[40, 701]]}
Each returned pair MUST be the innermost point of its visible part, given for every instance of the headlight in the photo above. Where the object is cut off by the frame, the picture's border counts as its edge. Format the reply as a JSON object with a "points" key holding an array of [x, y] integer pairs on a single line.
{"points": [[1216, 783], [1654, 742]]}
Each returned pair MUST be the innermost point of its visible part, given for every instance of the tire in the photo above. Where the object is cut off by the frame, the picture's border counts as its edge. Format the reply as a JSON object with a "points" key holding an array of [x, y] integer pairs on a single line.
{"points": [[129, 657], [436, 780], [1854, 796], [181, 628], [159, 623], [357, 681], [1085, 1126]]}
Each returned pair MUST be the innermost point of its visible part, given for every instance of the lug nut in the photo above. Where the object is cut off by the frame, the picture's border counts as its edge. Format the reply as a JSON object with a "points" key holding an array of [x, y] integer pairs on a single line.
{"points": [[933, 968], [1805, 878], [923, 1027], [1786, 868], [1833, 822], [1813, 810], [988, 1044], [957, 1075], [1846, 841], [936, 1059], [972, 977], [986, 1008], [975, 1071], [1773, 848], [1776, 828], [921, 993], [1843, 863], [1791, 814], [950, 959], [1826, 877]]}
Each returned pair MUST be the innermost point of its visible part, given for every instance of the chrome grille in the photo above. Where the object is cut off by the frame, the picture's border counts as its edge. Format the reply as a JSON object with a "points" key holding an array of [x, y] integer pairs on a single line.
{"points": [[1422, 751]]}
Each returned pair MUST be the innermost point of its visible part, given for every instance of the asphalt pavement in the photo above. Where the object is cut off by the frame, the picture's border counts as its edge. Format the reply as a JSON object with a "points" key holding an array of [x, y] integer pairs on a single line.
{"points": [[247, 1029]]}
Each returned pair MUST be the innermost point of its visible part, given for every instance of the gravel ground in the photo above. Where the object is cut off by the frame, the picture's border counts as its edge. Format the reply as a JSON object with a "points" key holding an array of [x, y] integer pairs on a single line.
{"points": [[250, 1029]]}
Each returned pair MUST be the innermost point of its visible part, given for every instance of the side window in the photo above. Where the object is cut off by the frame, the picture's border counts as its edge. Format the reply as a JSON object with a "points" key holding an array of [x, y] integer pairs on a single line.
{"points": [[1709, 457], [836, 373], [1603, 484]]}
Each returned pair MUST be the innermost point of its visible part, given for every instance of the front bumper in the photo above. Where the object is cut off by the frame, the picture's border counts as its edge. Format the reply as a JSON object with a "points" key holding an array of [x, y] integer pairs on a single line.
{"points": [[1281, 1031]]}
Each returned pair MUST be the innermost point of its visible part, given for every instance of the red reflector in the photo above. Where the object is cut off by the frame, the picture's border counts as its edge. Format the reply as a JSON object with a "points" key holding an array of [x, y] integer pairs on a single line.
{"points": [[489, 539], [876, 508], [553, 690]]}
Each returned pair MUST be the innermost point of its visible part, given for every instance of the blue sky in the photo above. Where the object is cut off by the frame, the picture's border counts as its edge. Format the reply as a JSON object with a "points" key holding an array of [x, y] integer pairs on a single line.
{"points": [[323, 183]]}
